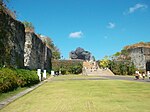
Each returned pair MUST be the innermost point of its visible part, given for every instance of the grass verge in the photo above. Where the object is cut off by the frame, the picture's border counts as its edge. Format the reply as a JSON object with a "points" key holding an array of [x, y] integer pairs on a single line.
{"points": [[4, 96]]}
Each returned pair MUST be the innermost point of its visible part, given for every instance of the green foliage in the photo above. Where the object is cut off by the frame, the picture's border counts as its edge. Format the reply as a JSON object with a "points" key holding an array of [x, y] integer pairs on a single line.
{"points": [[8, 80], [104, 62], [67, 66], [122, 67], [117, 54], [121, 63], [124, 52], [55, 55], [27, 78], [11, 79], [75, 68]]}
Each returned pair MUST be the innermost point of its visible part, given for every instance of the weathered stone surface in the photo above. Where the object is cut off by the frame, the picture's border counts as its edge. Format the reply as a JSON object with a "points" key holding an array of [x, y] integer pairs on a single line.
{"points": [[12, 38], [36, 53], [80, 53], [19, 49], [140, 56], [47, 62]]}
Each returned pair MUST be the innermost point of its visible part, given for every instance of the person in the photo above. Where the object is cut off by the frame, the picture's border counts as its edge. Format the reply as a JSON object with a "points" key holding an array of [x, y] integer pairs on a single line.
{"points": [[137, 75], [140, 75], [143, 75], [148, 74]]}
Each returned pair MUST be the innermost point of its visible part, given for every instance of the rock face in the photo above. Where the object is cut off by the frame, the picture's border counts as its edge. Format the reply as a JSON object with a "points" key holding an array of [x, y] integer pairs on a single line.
{"points": [[19, 49], [36, 53], [12, 39], [140, 56], [80, 53]]}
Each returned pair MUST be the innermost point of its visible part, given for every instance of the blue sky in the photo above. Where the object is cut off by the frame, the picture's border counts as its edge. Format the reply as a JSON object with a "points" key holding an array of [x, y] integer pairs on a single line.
{"points": [[102, 27]]}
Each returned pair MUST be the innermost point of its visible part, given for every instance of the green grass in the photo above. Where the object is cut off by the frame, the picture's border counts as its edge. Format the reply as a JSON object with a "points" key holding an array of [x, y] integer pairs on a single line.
{"points": [[85, 96], [4, 96]]}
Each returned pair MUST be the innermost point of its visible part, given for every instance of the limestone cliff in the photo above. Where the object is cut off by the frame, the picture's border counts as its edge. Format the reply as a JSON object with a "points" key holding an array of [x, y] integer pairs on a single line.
{"points": [[12, 39], [140, 56], [36, 53], [19, 49]]}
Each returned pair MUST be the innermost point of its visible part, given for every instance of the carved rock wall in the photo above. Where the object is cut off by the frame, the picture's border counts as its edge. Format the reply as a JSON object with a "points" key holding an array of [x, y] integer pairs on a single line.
{"points": [[140, 56], [19, 49], [12, 39], [36, 53]]}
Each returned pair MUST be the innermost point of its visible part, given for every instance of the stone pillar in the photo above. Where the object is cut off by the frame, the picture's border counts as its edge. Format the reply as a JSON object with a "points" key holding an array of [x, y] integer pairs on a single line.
{"points": [[52, 73], [44, 74], [39, 74], [148, 74]]}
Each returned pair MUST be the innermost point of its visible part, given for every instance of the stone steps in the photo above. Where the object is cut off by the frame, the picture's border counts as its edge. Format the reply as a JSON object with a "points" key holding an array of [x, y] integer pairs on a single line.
{"points": [[99, 72]]}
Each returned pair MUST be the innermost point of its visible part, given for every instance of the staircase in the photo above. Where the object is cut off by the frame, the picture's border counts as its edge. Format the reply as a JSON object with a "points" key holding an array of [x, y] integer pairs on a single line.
{"points": [[98, 72], [91, 68]]}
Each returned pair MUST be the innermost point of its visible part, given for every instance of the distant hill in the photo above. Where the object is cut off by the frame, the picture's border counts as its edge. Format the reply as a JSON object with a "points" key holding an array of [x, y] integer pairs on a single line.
{"points": [[140, 44]]}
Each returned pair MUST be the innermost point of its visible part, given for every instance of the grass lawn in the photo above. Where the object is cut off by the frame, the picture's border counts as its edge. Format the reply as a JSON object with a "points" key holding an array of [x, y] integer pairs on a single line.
{"points": [[85, 96]]}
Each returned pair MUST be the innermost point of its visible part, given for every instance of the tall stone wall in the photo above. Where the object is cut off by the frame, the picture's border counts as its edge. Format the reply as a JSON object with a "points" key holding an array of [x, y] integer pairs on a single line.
{"points": [[36, 53], [140, 56], [19, 49], [47, 61], [12, 39]]}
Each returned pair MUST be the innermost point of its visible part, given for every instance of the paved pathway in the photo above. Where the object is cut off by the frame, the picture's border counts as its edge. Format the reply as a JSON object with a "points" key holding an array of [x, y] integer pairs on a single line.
{"points": [[106, 77], [129, 78], [11, 99]]}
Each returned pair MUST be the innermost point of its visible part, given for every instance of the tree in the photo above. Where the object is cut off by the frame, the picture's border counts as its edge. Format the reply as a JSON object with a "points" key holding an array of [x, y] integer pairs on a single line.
{"points": [[104, 62], [55, 55]]}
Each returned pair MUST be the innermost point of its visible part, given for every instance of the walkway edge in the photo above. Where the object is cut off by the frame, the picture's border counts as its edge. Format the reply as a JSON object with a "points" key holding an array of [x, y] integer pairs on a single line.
{"points": [[13, 98]]}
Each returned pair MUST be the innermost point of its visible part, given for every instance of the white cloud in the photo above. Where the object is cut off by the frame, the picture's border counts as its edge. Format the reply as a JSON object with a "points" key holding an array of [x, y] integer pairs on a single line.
{"points": [[111, 25], [135, 8], [76, 34]]}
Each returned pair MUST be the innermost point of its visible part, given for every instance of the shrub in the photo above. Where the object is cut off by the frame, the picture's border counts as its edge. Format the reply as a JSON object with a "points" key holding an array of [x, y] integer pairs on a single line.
{"points": [[76, 69], [27, 77], [10, 79], [122, 67], [67, 66]]}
